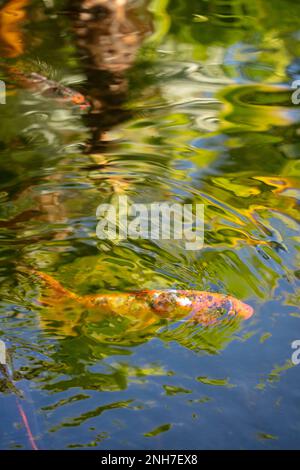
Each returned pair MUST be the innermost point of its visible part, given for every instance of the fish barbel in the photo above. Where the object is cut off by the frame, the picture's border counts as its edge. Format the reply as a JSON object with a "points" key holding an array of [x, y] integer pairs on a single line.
{"points": [[195, 306]]}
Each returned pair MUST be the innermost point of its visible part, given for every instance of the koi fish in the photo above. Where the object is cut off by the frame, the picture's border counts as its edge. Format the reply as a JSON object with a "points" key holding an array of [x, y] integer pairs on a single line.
{"points": [[194, 306], [12, 16], [52, 89]]}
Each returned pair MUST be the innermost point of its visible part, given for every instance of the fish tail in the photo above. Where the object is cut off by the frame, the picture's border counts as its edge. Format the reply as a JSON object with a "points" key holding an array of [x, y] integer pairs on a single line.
{"points": [[52, 283]]}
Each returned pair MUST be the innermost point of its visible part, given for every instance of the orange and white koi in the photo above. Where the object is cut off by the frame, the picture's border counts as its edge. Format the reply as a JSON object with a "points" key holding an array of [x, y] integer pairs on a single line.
{"points": [[194, 306]]}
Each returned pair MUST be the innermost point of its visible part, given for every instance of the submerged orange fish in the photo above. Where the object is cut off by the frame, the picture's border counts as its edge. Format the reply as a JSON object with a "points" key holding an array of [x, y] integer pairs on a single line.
{"points": [[50, 88], [194, 306], [12, 16]]}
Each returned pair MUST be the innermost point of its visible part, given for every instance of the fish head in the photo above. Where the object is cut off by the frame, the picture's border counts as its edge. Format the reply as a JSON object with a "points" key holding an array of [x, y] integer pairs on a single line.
{"points": [[241, 309]]}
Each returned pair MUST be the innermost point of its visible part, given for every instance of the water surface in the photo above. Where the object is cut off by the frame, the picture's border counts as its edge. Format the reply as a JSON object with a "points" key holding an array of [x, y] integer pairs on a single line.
{"points": [[200, 112]]}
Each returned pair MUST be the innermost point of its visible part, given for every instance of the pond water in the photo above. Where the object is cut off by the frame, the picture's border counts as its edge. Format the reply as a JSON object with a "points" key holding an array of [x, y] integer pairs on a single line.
{"points": [[191, 103]]}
